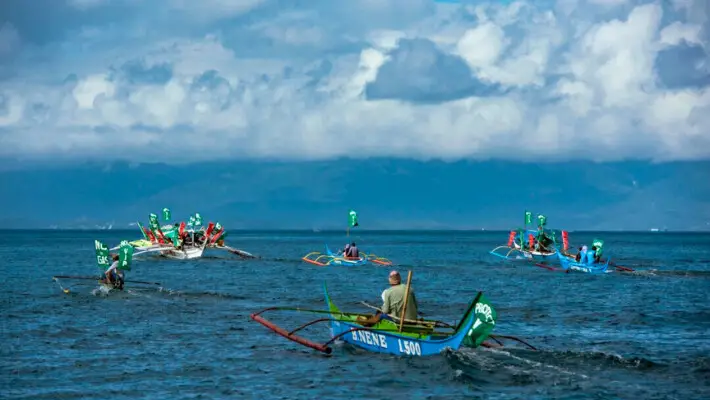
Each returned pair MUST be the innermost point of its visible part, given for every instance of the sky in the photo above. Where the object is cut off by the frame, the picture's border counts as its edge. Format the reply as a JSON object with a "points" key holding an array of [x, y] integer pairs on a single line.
{"points": [[182, 81]]}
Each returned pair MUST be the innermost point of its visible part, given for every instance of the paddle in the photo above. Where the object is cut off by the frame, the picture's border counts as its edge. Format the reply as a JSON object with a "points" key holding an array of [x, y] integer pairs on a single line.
{"points": [[406, 300], [93, 278]]}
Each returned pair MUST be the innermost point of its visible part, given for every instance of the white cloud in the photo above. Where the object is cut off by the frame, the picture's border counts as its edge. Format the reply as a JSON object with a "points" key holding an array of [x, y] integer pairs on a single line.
{"points": [[250, 79], [677, 32]]}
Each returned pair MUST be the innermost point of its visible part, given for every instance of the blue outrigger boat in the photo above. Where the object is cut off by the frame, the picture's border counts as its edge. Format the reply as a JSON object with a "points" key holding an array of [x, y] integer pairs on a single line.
{"points": [[382, 333], [585, 264], [330, 258], [531, 244], [589, 261]]}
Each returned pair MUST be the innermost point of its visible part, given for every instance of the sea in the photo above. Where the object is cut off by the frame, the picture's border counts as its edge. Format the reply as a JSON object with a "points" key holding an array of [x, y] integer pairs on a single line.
{"points": [[623, 335]]}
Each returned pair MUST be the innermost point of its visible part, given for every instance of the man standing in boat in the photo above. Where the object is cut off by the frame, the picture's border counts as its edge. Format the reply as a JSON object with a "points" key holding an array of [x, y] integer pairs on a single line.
{"points": [[393, 298]]}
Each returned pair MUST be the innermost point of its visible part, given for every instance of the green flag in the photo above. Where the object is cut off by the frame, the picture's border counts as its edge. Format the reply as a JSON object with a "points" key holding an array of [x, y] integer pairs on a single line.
{"points": [[153, 222], [198, 219], [541, 220], [125, 256], [598, 243], [101, 255], [166, 214], [486, 317], [352, 218], [528, 217], [191, 221]]}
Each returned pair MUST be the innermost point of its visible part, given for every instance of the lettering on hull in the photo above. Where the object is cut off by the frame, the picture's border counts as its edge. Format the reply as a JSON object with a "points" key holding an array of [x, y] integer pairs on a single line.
{"points": [[373, 339], [409, 348]]}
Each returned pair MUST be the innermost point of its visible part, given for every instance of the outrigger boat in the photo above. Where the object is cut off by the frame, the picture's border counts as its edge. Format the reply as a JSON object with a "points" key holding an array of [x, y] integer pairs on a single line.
{"points": [[382, 333], [329, 258], [531, 244], [587, 261], [183, 241], [340, 258], [125, 259]]}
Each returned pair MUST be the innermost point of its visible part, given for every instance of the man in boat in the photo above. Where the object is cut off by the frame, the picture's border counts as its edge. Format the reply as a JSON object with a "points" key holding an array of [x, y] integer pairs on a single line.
{"points": [[578, 257], [113, 275], [393, 298], [351, 251]]}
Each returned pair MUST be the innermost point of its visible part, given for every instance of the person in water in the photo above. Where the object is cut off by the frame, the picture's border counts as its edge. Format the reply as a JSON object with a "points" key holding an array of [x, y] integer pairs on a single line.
{"points": [[393, 298], [352, 251], [113, 275]]}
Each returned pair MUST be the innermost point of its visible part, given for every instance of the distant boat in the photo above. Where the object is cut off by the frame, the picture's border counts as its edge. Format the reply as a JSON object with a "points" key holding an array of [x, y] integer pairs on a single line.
{"points": [[654, 229]]}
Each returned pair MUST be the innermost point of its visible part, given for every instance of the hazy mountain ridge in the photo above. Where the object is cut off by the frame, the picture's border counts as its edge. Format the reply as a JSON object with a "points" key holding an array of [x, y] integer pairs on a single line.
{"points": [[388, 194]]}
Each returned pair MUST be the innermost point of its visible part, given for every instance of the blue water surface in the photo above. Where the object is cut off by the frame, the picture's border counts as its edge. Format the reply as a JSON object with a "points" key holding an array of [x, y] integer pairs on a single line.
{"points": [[640, 335]]}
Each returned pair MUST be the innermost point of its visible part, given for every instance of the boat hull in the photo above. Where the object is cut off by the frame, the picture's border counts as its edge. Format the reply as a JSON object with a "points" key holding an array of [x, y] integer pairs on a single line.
{"points": [[385, 342], [383, 336], [189, 253], [595, 268]]}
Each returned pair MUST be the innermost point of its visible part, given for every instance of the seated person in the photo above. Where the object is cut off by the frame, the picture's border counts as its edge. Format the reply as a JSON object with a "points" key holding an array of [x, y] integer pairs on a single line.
{"points": [[393, 299], [352, 251]]}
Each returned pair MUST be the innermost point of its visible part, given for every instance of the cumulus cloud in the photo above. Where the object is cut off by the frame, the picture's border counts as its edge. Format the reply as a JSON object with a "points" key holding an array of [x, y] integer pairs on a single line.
{"points": [[524, 80]]}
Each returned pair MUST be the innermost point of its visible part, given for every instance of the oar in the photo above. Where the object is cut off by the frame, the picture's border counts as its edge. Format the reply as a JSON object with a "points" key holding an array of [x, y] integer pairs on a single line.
{"points": [[93, 278], [144, 283], [619, 267], [97, 278], [406, 300]]}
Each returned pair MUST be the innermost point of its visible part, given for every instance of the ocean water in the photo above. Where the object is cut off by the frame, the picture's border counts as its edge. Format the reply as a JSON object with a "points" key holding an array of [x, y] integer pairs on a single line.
{"points": [[640, 335]]}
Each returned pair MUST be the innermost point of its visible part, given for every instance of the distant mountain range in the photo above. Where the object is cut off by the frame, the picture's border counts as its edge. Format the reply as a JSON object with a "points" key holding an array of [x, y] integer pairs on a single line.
{"points": [[387, 193]]}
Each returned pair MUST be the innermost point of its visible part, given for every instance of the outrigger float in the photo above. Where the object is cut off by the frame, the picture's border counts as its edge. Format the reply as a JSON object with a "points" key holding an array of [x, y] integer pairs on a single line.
{"points": [[125, 259], [341, 258], [531, 244], [382, 333], [183, 241]]}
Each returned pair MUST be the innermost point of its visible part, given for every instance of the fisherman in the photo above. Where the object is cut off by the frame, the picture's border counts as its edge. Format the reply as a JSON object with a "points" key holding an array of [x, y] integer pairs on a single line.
{"points": [[352, 251], [578, 257], [393, 298], [595, 257], [114, 275], [346, 250]]}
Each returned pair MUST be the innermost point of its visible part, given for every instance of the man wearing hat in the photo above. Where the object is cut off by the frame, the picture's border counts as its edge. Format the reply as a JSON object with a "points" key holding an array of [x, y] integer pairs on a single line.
{"points": [[393, 298]]}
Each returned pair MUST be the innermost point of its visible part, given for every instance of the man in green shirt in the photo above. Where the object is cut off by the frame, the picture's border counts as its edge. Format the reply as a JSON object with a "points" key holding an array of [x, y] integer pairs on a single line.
{"points": [[393, 298]]}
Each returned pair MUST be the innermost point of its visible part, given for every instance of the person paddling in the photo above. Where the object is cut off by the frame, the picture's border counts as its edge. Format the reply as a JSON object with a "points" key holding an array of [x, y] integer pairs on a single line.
{"points": [[113, 274], [393, 298]]}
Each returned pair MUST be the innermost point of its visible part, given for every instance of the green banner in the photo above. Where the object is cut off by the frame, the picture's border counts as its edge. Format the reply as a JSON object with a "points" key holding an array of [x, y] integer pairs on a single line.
{"points": [[102, 260], [198, 219], [486, 317], [191, 221], [528, 217], [166, 214], [541, 220], [125, 256], [598, 243], [352, 218]]}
